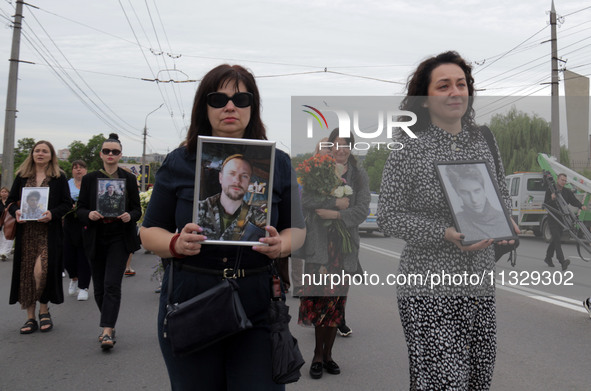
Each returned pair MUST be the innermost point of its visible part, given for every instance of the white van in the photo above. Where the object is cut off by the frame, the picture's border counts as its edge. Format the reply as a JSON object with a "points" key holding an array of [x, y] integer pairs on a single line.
{"points": [[527, 190]]}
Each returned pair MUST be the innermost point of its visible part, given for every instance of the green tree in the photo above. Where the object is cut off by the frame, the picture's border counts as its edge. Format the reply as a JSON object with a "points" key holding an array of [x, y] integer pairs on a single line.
{"points": [[66, 166], [374, 165], [22, 150], [89, 152], [520, 138]]}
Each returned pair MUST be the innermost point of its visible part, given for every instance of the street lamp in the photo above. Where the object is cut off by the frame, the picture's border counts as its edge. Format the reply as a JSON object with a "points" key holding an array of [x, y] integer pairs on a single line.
{"points": [[144, 151]]}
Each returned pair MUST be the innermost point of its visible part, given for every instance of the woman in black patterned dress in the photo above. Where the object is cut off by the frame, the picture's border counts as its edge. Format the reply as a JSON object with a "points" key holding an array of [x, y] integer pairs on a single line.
{"points": [[450, 329]]}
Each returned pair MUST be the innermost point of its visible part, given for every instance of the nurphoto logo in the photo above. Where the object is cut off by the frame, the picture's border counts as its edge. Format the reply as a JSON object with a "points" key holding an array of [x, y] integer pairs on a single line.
{"points": [[393, 119]]}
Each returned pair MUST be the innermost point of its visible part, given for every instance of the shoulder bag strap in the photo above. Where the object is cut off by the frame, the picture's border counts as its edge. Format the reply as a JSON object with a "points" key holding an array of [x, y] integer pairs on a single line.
{"points": [[490, 140]]}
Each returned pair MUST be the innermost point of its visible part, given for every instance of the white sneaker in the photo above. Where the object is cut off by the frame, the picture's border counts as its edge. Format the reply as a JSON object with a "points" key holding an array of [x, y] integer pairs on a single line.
{"points": [[73, 288], [83, 295]]}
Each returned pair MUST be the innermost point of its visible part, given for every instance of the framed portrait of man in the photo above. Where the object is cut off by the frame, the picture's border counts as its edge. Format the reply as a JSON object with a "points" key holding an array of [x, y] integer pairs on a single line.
{"points": [[110, 200], [34, 202], [475, 201], [233, 189]]}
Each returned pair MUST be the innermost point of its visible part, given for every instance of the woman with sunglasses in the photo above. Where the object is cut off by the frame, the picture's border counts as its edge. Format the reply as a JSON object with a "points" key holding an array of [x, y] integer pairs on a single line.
{"points": [[109, 240], [37, 267], [227, 104]]}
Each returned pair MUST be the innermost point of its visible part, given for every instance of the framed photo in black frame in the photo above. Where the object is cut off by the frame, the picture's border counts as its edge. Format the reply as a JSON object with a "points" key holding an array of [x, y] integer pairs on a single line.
{"points": [[475, 201], [110, 198], [233, 189]]}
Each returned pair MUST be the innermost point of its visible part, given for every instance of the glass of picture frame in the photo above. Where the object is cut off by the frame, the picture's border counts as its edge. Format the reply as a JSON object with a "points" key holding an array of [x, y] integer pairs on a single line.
{"points": [[110, 198], [477, 207], [233, 189], [34, 202]]}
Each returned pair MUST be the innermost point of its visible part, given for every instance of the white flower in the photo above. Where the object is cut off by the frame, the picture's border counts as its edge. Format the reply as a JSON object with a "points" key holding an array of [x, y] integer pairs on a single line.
{"points": [[348, 190], [339, 192]]}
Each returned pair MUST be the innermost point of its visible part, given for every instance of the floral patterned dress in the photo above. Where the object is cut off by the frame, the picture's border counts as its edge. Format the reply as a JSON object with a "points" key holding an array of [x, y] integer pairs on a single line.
{"points": [[326, 309], [34, 246]]}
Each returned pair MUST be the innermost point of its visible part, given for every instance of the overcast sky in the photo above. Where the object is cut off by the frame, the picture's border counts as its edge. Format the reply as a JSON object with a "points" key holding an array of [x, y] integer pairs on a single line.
{"points": [[100, 52]]}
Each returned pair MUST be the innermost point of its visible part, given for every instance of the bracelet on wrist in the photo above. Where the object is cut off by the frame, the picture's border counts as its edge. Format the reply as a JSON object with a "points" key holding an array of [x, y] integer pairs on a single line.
{"points": [[173, 240]]}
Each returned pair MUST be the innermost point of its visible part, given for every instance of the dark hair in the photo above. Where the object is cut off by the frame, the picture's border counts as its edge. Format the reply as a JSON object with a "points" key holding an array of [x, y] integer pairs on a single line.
{"points": [[113, 138], [350, 140], [79, 162], [34, 194], [220, 76], [459, 173], [418, 86]]}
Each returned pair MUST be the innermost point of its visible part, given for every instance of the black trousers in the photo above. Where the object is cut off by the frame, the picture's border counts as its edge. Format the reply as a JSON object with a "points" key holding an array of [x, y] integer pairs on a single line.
{"points": [[555, 245], [108, 267], [75, 262]]}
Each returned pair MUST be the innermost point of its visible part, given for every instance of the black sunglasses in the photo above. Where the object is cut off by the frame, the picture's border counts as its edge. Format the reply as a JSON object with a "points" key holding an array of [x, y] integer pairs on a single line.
{"points": [[107, 151], [217, 100]]}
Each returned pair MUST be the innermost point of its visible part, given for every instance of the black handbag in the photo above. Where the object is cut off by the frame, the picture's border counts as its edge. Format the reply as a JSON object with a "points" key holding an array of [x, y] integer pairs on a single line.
{"points": [[205, 319], [287, 358]]}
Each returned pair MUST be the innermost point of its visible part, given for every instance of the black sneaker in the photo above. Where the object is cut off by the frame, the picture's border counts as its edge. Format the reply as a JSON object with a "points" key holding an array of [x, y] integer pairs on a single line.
{"points": [[549, 262], [344, 330], [564, 264], [587, 305]]}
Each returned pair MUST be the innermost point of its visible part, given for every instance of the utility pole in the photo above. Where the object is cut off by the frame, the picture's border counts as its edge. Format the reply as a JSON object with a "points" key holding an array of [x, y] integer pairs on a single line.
{"points": [[10, 119], [143, 182], [554, 117]]}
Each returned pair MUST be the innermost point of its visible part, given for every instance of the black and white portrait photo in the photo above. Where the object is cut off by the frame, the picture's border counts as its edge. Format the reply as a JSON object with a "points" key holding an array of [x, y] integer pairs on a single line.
{"points": [[475, 201]]}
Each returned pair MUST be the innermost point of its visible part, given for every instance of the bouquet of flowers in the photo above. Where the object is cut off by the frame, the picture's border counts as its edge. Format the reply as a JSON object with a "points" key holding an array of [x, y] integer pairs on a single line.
{"points": [[144, 200], [320, 176]]}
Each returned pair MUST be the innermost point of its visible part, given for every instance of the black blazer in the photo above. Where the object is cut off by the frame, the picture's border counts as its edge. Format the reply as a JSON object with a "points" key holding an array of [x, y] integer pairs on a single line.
{"points": [[87, 203]]}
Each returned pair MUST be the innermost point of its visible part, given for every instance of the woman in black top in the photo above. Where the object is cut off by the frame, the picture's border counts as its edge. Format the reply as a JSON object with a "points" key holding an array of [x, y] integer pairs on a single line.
{"points": [[242, 361], [109, 240]]}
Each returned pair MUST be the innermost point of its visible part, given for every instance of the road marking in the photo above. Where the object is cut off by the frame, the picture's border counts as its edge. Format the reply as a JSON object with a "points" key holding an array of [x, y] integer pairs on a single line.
{"points": [[380, 250], [561, 301]]}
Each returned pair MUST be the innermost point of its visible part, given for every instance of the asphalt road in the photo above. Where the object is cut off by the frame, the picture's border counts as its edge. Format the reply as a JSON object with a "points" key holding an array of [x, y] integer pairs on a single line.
{"points": [[543, 334]]}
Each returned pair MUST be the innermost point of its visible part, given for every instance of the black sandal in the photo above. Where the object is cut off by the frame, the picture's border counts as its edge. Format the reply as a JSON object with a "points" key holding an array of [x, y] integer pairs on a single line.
{"points": [[108, 342], [100, 337], [45, 320], [31, 325]]}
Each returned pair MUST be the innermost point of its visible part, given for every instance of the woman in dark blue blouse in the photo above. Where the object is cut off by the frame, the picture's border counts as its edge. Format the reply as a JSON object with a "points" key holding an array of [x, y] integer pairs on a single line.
{"points": [[243, 361]]}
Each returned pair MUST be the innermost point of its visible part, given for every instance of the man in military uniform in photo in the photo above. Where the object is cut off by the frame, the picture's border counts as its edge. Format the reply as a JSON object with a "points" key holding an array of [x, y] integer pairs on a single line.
{"points": [[226, 216], [111, 203]]}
